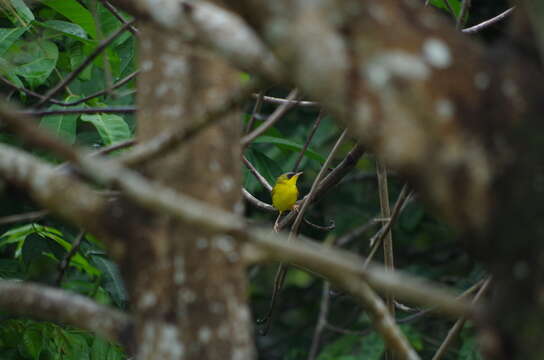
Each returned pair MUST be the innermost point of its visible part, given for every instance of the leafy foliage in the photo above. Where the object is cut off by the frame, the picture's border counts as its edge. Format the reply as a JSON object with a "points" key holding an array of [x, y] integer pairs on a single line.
{"points": [[31, 340]]}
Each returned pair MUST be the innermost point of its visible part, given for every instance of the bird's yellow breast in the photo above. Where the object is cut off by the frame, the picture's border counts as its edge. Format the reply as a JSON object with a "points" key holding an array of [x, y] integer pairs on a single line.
{"points": [[284, 196]]}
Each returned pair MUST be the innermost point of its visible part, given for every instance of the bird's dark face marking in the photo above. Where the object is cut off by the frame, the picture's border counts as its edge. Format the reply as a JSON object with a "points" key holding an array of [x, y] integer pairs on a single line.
{"points": [[291, 174]]}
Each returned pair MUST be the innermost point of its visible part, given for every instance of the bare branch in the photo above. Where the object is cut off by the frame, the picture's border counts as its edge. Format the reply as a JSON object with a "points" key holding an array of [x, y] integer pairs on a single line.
{"points": [[458, 326], [272, 119], [57, 305], [309, 138], [105, 110], [279, 101], [29, 216], [256, 174], [487, 23]]}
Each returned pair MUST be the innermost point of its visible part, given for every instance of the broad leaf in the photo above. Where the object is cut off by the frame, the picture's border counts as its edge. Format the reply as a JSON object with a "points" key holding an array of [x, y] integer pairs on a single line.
{"points": [[75, 12], [113, 282], [23, 12], [39, 59], [62, 125], [111, 128], [69, 29], [455, 5], [289, 145], [9, 36]]}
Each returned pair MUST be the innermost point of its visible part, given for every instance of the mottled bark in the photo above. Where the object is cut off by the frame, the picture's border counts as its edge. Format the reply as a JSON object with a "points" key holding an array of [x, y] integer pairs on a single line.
{"points": [[191, 278]]}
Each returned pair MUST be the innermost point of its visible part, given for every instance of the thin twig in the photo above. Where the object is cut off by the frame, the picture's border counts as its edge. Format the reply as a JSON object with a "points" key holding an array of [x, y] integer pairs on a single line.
{"points": [[407, 318], [272, 119], [325, 228], [120, 83], [388, 240], [313, 190], [321, 321], [382, 233], [355, 233], [63, 265], [256, 110], [118, 15], [105, 110], [279, 101], [103, 44], [456, 328], [308, 140], [72, 103], [258, 203], [487, 23], [450, 9], [33, 215], [462, 13], [256, 174], [114, 147]]}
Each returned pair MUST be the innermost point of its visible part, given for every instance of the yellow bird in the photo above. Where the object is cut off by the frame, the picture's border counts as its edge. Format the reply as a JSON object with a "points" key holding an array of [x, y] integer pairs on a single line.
{"points": [[285, 194]]}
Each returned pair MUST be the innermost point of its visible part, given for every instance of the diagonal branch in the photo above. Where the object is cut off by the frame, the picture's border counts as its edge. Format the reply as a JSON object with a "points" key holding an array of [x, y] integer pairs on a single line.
{"points": [[77, 203]]}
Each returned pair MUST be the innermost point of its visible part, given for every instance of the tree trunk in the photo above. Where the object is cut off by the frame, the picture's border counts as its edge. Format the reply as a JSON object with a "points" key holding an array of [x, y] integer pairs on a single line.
{"points": [[188, 285]]}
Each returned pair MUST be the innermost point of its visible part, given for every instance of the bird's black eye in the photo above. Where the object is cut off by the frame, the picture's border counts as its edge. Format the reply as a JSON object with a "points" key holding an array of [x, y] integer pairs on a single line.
{"points": [[290, 174]]}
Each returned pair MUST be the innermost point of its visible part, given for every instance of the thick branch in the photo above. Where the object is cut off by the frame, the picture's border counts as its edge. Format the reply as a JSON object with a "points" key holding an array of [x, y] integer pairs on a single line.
{"points": [[212, 27], [57, 305]]}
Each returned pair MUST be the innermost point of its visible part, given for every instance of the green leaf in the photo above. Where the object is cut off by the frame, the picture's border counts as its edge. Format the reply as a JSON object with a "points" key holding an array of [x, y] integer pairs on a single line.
{"points": [[299, 278], [113, 282], [77, 56], [8, 70], [354, 347], [16, 234], [33, 341], [62, 125], [289, 145], [33, 248], [265, 165], [455, 5], [469, 350], [42, 57], [77, 260], [10, 269], [111, 128], [9, 36], [413, 335], [411, 217], [23, 11], [75, 12], [69, 29]]}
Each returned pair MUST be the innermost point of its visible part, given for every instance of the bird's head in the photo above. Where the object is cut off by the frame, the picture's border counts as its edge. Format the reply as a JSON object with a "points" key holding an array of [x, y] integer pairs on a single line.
{"points": [[291, 177]]}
